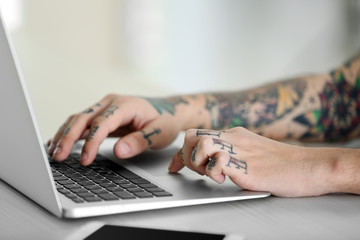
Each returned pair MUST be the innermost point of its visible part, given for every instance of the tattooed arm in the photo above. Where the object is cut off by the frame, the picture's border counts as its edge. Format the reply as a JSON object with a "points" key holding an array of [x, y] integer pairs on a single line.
{"points": [[315, 108]]}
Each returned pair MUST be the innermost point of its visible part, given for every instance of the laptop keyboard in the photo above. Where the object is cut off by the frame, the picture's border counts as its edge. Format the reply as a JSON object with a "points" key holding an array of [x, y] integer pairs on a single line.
{"points": [[103, 180]]}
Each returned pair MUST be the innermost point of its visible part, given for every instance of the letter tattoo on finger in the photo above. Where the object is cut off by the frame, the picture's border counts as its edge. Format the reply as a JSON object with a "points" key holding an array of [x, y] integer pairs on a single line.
{"points": [[194, 153], [92, 132], [238, 164], [181, 154], [201, 132], [224, 144], [147, 136], [109, 111]]}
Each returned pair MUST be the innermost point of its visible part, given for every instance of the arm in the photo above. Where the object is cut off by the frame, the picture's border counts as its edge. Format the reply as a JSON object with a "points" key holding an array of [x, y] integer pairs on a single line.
{"points": [[313, 108], [316, 108]]}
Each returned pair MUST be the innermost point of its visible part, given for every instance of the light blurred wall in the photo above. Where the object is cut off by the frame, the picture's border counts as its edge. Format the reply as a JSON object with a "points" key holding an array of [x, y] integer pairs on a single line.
{"points": [[74, 52]]}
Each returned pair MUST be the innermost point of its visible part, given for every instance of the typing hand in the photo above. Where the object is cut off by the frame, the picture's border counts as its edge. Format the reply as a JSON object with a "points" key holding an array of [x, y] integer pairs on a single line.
{"points": [[141, 123], [250, 161]]}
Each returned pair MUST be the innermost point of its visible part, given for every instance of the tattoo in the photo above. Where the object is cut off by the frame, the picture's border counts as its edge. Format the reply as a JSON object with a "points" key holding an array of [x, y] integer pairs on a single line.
{"points": [[66, 131], [109, 111], [238, 164], [166, 105], [339, 114], [255, 108], [90, 110], [209, 133], [91, 135], [181, 154], [224, 144], [212, 163], [193, 153], [147, 136]]}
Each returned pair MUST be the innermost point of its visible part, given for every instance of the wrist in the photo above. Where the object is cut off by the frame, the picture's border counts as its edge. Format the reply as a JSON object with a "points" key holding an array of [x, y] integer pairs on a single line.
{"points": [[192, 114]]}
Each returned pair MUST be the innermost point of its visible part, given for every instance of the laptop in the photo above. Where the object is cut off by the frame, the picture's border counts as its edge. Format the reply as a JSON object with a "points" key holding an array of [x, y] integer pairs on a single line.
{"points": [[111, 186]]}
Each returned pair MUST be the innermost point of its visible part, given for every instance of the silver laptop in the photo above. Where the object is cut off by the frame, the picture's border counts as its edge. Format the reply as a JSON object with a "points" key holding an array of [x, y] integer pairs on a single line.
{"points": [[141, 183]]}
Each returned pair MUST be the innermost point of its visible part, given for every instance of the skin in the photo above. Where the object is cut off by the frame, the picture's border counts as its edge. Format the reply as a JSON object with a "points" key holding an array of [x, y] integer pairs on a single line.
{"points": [[239, 132]]}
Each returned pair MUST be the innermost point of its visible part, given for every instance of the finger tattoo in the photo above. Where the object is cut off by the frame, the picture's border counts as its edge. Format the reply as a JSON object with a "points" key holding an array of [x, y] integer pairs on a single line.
{"points": [[193, 153], [89, 110], [147, 136], [239, 164], [208, 133], [92, 133], [66, 131], [212, 163], [109, 111], [224, 144]]}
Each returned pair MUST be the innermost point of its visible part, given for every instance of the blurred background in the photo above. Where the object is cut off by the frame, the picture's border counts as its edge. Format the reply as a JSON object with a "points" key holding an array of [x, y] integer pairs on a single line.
{"points": [[73, 52]]}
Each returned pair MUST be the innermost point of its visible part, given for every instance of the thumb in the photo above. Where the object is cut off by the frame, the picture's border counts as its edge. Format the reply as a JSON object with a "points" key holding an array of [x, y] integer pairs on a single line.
{"points": [[152, 136]]}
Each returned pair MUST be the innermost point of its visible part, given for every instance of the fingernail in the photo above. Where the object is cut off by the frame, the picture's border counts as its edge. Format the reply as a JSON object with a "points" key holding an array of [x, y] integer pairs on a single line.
{"points": [[124, 148], [57, 151], [171, 166], [84, 157]]}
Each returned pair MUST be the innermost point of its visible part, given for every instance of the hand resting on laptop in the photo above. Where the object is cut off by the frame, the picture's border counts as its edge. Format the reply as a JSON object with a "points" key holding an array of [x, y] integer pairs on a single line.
{"points": [[247, 125]]}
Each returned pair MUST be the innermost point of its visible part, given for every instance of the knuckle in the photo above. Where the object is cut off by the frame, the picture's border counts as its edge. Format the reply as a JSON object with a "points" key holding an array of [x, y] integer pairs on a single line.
{"points": [[205, 142], [110, 96], [189, 134], [239, 129]]}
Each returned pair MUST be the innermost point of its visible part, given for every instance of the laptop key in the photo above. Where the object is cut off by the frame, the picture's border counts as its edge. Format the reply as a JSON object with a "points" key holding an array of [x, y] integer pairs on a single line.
{"points": [[124, 195], [92, 199], [79, 190], [136, 189], [143, 194], [162, 194], [108, 196], [98, 191], [86, 194], [157, 189], [78, 200], [146, 186], [140, 181]]}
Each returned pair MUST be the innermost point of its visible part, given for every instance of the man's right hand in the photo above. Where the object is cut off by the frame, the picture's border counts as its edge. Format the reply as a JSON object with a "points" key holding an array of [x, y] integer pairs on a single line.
{"points": [[139, 122]]}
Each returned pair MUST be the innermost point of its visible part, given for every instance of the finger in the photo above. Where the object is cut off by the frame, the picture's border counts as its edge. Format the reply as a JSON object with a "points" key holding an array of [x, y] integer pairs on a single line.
{"points": [[58, 135], [75, 129], [200, 155], [177, 162], [108, 121], [154, 135], [190, 142], [215, 166], [223, 164]]}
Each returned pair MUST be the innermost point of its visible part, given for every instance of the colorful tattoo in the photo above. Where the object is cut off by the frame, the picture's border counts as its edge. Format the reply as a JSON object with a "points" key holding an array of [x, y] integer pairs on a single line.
{"points": [[147, 136], [255, 108], [340, 109], [166, 105]]}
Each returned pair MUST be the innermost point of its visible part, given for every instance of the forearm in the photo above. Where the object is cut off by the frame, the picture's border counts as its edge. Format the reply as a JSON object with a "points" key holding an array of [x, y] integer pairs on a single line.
{"points": [[313, 108]]}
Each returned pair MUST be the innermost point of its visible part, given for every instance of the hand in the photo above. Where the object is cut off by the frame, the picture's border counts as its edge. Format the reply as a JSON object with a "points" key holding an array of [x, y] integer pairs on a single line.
{"points": [[251, 161], [141, 124]]}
